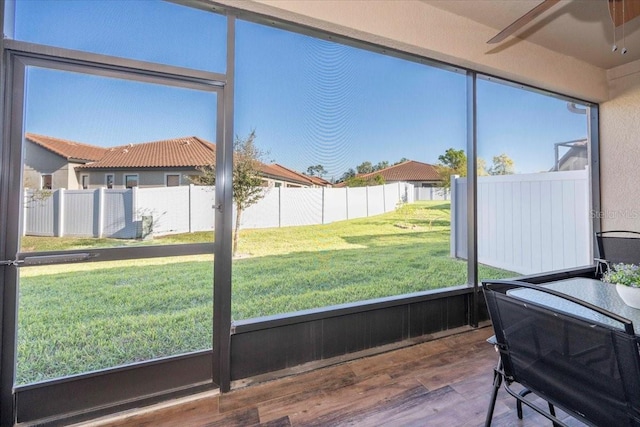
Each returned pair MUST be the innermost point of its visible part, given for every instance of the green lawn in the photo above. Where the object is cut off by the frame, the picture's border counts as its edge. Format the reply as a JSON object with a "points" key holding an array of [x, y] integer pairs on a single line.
{"points": [[80, 317]]}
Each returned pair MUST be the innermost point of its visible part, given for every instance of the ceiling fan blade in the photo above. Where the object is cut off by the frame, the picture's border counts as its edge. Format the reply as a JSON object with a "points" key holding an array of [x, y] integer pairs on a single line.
{"points": [[623, 12], [525, 19]]}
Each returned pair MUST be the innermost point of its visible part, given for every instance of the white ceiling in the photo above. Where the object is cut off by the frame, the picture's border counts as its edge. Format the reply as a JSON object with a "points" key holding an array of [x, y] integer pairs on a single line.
{"points": [[577, 28]]}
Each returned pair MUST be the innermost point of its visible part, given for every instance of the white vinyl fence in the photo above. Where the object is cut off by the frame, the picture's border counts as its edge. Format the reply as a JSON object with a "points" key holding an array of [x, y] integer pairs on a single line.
{"points": [[126, 213], [431, 193], [527, 223]]}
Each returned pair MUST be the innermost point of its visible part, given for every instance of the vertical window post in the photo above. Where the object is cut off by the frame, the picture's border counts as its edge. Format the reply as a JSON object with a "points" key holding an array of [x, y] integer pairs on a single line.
{"points": [[593, 119], [472, 232], [223, 226]]}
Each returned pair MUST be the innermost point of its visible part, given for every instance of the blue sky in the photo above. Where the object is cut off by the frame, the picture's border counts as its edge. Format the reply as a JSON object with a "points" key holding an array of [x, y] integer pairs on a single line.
{"points": [[310, 101]]}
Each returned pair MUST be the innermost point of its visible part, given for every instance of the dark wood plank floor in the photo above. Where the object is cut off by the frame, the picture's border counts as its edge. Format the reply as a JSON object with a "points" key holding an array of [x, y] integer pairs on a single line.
{"points": [[445, 382]]}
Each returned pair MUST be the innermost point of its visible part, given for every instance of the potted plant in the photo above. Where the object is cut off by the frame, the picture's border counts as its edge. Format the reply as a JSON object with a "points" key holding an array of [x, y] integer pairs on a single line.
{"points": [[626, 277]]}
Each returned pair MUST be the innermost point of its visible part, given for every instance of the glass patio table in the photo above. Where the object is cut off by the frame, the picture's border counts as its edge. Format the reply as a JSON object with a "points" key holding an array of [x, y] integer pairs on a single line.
{"points": [[593, 291]]}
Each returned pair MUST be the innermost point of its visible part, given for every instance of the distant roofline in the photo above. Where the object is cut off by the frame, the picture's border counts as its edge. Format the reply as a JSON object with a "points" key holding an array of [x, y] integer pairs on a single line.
{"points": [[38, 140], [95, 164], [378, 172]]}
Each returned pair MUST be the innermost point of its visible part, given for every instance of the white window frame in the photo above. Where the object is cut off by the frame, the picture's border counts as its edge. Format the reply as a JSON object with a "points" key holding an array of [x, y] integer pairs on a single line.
{"points": [[42, 176]]}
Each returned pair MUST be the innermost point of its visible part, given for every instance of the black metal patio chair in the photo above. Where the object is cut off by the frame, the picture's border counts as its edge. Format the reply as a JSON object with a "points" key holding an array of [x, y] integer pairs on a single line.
{"points": [[617, 246], [589, 369]]}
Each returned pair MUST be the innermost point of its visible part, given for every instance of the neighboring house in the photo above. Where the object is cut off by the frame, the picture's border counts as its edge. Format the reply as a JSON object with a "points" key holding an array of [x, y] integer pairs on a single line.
{"points": [[417, 173], [575, 158], [165, 163], [52, 163], [275, 175]]}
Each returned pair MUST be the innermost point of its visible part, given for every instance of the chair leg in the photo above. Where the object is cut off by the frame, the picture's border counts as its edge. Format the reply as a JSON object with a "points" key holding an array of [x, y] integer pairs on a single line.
{"points": [[552, 411], [497, 382], [522, 394]]}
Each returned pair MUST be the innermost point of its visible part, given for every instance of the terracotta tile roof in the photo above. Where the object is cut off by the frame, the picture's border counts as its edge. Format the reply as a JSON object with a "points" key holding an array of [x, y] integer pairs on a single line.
{"points": [[317, 180], [178, 152], [275, 170], [70, 150], [406, 171]]}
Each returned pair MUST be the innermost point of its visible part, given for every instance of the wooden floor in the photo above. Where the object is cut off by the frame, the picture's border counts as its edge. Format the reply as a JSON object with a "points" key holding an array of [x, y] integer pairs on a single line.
{"points": [[445, 382]]}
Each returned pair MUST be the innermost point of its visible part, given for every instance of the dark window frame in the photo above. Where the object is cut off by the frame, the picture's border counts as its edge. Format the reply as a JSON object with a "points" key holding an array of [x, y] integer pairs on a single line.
{"points": [[126, 180], [168, 177]]}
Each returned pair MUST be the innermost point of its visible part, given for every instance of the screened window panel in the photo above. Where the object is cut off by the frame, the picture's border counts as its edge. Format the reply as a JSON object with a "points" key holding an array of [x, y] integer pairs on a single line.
{"points": [[177, 35]]}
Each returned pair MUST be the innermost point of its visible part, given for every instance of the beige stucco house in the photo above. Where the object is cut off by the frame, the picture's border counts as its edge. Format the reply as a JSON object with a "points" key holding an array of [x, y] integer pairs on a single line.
{"points": [[53, 163], [276, 175], [50, 163], [413, 172], [165, 163]]}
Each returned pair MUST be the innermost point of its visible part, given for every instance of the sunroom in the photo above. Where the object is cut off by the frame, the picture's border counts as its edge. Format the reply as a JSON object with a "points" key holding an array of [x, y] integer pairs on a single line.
{"points": [[120, 298]]}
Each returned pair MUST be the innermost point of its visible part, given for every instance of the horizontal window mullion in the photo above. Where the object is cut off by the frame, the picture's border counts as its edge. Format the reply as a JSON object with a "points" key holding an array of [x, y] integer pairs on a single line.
{"points": [[114, 254], [96, 63]]}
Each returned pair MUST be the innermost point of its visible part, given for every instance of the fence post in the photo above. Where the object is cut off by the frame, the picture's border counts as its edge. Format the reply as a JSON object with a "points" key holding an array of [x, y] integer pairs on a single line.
{"points": [[61, 212], [100, 212], [384, 198], [134, 213], [323, 205], [346, 197], [366, 193], [190, 213], [279, 206], [454, 229]]}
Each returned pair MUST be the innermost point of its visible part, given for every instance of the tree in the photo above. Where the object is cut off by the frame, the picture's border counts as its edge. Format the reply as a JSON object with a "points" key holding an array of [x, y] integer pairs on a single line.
{"points": [[317, 170], [402, 160], [381, 165], [452, 162], [246, 183], [355, 181], [348, 174], [358, 181], [454, 159], [364, 167], [481, 167], [33, 193], [502, 165]]}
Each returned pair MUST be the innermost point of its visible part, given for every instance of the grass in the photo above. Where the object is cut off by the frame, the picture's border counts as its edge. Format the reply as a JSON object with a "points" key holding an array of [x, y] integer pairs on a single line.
{"points": [[80, 317], [73, 322]]}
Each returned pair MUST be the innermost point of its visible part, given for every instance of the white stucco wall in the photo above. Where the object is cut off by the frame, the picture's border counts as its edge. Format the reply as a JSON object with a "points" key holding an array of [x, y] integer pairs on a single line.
{"points": [[620, 150]]}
